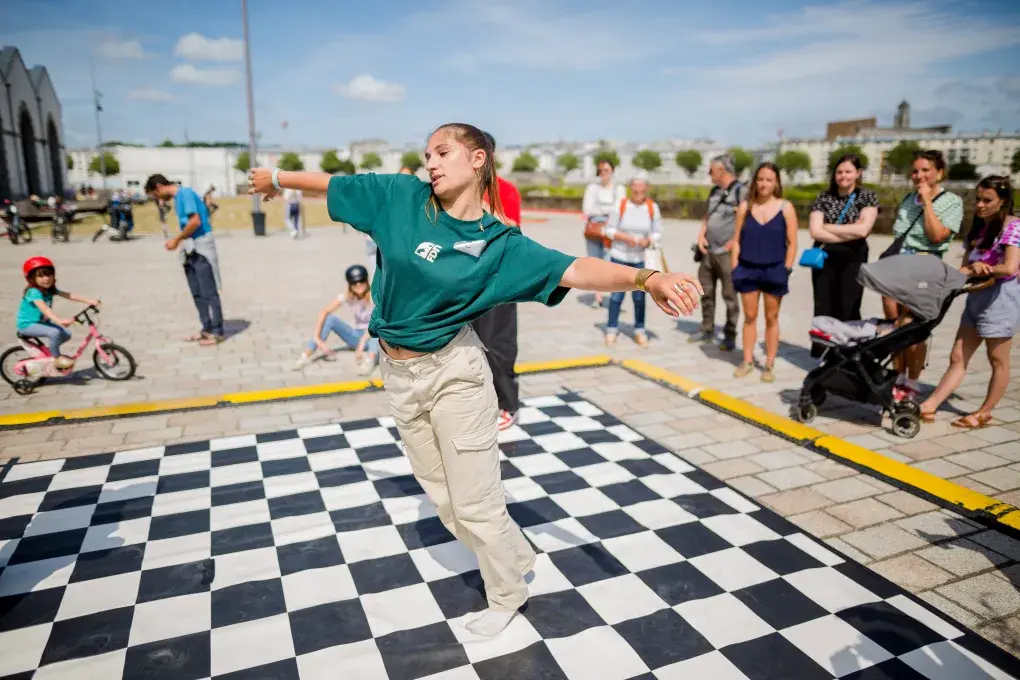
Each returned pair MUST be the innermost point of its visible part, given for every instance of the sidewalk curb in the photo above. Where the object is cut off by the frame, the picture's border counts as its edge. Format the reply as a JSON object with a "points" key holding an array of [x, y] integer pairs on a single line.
{"points": [[983, 509], [61, 417]]}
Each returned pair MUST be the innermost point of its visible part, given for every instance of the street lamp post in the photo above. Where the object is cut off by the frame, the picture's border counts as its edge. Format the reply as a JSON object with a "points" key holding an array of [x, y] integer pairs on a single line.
{"points": [[99, 131], [258, 218]]}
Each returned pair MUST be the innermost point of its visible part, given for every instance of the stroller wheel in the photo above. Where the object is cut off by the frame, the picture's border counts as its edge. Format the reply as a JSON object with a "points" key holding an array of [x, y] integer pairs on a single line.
{"points": [[804, 413], [818, 395], [906, 424]]}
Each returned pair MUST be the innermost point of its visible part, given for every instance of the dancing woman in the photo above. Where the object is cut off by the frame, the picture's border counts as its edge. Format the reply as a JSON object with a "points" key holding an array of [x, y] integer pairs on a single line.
{"points": [[445, 262]]}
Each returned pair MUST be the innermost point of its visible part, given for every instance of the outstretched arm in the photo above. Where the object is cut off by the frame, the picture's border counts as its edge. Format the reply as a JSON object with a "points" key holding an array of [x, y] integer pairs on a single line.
{"points": [[261, 182], [673, 293]]}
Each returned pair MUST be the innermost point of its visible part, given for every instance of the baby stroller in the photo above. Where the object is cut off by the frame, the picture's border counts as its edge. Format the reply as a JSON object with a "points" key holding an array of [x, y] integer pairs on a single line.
{"points": [[856, 364]]}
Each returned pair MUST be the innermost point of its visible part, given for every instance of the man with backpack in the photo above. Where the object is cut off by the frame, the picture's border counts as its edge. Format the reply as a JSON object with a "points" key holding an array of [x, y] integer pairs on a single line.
{"points": [[712, 251]]}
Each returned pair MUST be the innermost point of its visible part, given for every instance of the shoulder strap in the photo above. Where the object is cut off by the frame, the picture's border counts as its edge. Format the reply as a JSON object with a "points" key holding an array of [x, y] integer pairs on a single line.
{"points": [[623, 207], [651, 209]]}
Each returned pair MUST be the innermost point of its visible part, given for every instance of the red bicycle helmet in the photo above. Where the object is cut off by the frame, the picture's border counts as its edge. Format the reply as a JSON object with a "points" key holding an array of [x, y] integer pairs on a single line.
{"points": [[34, 263]]}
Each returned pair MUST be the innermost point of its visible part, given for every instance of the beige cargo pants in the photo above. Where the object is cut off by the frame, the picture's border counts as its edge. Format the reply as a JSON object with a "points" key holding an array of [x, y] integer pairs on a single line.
{"points": [[445, 410]]}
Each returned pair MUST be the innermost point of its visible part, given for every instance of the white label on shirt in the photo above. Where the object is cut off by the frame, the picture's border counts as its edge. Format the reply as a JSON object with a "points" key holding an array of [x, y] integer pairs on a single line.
{"points": [[473, 248]]}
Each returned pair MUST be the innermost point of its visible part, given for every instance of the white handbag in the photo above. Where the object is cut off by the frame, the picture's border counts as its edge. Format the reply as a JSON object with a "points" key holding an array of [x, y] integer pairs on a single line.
{"points": [[656, 259]]}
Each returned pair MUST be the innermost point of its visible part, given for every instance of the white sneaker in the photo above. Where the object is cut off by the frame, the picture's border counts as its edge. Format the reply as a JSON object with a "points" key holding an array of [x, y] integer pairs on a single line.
{"points": [[365, 367], [301, 362]]}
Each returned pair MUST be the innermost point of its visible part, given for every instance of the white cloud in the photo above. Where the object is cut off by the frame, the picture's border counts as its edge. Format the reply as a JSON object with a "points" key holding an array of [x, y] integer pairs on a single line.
{"points": [[197, 47], [831, 62], [188, 74], [368, 88], [150, 95], [113, 48]]}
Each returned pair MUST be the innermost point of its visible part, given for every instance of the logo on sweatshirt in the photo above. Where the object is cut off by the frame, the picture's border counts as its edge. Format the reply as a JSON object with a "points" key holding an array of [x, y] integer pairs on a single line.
{"points": [[428, 251]]}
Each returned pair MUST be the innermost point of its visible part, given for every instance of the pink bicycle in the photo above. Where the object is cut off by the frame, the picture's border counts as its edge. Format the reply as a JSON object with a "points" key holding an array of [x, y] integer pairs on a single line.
{"points": [[27, 366]]}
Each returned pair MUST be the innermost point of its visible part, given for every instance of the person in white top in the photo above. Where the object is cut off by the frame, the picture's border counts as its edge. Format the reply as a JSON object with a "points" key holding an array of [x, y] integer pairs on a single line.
{"points": [[634, 226], [601, 199], [292, 207]]}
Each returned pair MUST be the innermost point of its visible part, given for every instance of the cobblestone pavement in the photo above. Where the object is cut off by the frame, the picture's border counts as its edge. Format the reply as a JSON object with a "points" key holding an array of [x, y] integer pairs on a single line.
{"points": [[275, 286]]}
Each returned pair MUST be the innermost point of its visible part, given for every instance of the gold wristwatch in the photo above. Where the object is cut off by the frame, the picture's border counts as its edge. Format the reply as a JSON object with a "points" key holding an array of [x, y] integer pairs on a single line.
{"points": [[642, 276]]}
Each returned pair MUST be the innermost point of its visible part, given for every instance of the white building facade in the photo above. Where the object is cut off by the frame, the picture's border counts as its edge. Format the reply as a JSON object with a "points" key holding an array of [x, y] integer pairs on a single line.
{"points": [[990, 152], [32, 154], [201, 168]]}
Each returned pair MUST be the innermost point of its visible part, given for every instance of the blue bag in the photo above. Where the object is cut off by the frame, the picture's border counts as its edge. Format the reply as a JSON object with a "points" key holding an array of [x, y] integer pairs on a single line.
{"points": [[815, 257]]}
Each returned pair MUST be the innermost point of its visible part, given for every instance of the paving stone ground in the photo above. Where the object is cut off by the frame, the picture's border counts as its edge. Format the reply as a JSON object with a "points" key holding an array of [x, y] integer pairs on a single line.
{"points": [[275, 286]]}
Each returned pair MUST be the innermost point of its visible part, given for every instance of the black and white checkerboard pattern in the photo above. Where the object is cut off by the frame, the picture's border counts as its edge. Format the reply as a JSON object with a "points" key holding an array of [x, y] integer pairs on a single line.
{"points": [[314, 554]]}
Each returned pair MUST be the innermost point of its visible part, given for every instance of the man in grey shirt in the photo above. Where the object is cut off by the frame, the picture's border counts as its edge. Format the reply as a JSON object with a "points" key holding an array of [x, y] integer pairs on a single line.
{"points": [[715, 241]]}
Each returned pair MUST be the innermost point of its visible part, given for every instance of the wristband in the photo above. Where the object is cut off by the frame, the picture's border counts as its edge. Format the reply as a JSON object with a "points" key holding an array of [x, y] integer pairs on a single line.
{"points": [[276, 179], [642, 276]]}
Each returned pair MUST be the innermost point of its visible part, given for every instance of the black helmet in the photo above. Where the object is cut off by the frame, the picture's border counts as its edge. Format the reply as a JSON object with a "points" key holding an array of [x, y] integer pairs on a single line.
{"points": [[356, 274]]}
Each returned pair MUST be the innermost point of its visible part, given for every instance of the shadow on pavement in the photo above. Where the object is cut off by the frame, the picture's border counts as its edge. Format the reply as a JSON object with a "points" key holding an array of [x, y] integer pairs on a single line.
{"points": [[232, 327]]}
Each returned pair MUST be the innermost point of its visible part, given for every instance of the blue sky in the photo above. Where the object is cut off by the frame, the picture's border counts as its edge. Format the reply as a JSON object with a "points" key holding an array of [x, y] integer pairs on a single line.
{"points": [[527, 70]]}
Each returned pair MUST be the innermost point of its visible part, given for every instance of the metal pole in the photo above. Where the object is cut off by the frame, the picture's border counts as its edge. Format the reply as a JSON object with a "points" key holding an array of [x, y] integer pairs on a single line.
{"points": [[99, 130], [255, 207]]}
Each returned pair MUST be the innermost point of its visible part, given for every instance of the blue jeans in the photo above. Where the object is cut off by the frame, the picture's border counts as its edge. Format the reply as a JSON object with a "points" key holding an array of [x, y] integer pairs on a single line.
{"points": [[616, 301], [57, 335], [351, 336]]}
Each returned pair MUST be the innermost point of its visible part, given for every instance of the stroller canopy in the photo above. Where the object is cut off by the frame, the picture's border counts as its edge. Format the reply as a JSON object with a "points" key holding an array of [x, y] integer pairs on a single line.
{"points": [[921, 283]]}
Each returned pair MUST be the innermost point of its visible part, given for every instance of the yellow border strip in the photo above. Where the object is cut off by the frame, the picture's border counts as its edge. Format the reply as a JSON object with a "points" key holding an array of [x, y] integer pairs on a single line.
{"points": [[986, 509], [949, 494], [55, 417]]}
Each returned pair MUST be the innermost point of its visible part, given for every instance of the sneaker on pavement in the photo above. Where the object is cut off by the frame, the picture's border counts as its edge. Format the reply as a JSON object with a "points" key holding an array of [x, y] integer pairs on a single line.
{"points": [[700, 337], [728, 345], [301, 362], [743, 369], [641, 338], [505, 420]]}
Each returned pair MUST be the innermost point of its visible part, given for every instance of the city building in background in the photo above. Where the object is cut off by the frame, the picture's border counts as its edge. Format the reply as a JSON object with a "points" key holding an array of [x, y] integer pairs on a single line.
{"points": [[990, 152], [202, 167], [32, 155]]}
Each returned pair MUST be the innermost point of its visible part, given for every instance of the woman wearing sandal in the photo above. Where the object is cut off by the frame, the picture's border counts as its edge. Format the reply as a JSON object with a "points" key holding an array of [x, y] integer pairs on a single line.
{"points": [[992, 315]]}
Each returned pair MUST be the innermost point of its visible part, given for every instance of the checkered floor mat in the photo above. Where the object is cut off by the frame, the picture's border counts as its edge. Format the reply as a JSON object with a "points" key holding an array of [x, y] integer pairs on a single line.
{"points": [[314, 554]]}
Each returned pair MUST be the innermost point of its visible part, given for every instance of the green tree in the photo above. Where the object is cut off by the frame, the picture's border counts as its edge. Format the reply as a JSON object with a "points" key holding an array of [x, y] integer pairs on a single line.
{"points": [[347, 167], [793, 161], [742, 159], [526, 162], [371, 161], [607, 155], [844, 150], [290, 162], [1014, 165], [689, 160], [411, 160], [109, 164], [568, 162], [243, 162], [330, 162], [900, 158], [167, 144], [963, 170], [69, 161], [647, 160]]}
